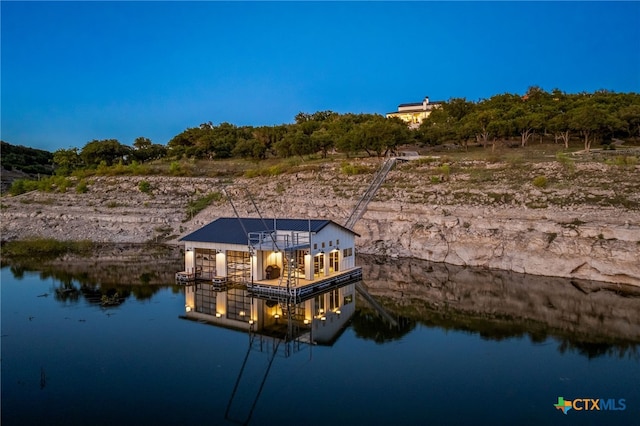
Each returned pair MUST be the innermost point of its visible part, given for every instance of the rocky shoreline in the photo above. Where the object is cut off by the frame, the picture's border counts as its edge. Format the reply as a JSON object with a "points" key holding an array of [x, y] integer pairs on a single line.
{"points": [[528, 230]]}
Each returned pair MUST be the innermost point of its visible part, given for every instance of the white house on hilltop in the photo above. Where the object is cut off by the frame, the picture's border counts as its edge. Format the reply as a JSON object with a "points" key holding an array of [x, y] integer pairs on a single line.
{"points": [[414, 113]]}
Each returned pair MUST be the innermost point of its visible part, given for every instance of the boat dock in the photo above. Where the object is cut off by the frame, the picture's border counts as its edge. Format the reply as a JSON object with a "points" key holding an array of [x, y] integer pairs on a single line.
{"points": [[274, 290], [277, 289]]}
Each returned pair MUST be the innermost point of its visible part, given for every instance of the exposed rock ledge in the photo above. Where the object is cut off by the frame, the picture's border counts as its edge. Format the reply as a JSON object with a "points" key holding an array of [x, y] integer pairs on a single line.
{"points": [[587, 242]]}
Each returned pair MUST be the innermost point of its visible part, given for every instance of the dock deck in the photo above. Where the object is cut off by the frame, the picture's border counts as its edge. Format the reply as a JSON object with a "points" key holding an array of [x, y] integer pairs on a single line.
{"points": [[276, 289]]}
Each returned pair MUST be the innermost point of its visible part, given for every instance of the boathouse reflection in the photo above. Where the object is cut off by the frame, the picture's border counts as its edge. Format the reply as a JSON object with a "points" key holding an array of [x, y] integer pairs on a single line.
{"points": [[317, 317], [278, 324]]}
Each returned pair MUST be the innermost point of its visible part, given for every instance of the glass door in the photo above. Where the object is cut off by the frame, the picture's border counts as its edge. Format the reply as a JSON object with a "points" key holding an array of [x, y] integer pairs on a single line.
{"points": [[334, 261]]}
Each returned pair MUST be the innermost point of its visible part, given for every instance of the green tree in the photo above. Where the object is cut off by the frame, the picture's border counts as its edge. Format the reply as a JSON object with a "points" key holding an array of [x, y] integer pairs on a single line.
{"points": [[142, 143], [559, 117], [207, 141], [145, 150], [109, 151], [505, 115], [458, 109], [66, 161], [479, 123], [301, 143], [223, 139], [184, 143], [593, 121], [525, 121], [268, 136], [630, 116], [249, 148], [447, 123], [343, 131], [379, 135], [323, 140], [303, 117], [293, 142], [436, 128]]}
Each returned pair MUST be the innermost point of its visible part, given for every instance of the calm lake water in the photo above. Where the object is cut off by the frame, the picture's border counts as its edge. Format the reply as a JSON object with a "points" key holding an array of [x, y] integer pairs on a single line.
{"points": [[425, 344]]}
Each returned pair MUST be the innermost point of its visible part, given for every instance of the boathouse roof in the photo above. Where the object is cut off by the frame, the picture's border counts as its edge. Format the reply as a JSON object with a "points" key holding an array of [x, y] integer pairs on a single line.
{"points": [[229, 230]]}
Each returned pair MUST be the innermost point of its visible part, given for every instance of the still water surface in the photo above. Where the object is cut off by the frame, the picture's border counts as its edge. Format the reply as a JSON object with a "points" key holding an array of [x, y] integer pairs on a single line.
{"points": [[469, 347]]}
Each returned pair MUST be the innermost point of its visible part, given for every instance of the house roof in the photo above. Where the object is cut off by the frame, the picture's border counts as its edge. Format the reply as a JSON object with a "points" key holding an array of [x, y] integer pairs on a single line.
{"points": [[410, 104], [229, 230], [419, 104]]}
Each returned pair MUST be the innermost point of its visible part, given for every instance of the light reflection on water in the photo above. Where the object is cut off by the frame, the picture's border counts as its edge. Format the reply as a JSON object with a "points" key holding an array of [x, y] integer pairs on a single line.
{"points": [[469, 347]]}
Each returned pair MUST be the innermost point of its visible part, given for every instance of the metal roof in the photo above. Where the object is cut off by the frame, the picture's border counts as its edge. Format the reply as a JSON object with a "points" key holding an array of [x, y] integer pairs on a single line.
{"points": [[229, 230], [410, 104]]}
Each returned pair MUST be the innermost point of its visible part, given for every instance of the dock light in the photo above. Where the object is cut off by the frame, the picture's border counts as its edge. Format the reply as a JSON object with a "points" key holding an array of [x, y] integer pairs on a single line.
{"points": [[250, 322], [218, 314], [187, 308], [323, 318], [338, 312], [276, 316], [306, 321]]}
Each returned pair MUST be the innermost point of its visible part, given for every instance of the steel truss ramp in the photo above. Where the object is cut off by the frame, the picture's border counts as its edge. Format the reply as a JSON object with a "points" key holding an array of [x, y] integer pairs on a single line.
{"points": [[374, 303], [378, 179]]}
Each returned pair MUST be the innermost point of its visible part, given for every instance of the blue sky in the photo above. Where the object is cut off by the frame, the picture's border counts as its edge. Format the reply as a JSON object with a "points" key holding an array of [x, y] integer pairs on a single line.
{"points": [[75, 71]]}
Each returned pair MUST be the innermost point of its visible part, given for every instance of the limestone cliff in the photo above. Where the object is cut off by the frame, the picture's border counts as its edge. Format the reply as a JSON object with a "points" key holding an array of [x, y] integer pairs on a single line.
{"points": [[477, 214]]}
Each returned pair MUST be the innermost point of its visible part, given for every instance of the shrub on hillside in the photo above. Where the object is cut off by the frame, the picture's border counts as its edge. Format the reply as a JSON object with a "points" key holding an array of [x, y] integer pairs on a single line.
{"points": [[144, 186], [353, 169], [623, 161], [48, 184], [82, 187], [566, 161], [196, 206], [540, 181]]}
